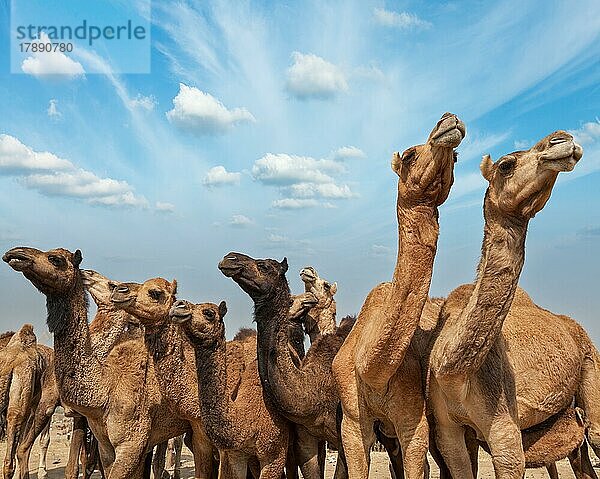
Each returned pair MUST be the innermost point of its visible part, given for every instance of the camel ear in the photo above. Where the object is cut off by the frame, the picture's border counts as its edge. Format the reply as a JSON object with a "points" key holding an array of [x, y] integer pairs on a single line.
{"points": [[174, 286], [487, 167], [77, 258], [333, 288], [284, 265], [222, 309], [396, 162]]}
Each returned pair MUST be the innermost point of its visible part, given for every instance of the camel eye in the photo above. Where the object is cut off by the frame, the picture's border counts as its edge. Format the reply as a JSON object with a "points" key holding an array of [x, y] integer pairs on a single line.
{"points": [[56, 260], [155, 294], [262, 267], [558, 140], [209, 313], [409, 156], [506, 166]]}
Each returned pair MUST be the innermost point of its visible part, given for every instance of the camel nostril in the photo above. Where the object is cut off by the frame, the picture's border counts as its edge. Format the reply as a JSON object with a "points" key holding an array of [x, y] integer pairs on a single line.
{"points": [[180, 305]]}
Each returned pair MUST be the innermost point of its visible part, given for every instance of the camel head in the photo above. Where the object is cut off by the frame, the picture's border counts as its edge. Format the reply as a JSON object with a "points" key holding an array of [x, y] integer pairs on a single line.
{"points": [[520, 183], [426, 172], [149, 302], [53, 272], [25, 337], [322, 315], [257, 277], [99, 287], [301, 305], [202, 323]]}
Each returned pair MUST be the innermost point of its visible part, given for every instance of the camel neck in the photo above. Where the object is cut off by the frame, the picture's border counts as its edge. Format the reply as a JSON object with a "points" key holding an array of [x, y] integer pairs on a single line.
{"points": [[285, 384], [78, 370], [174, 370], [218, 410], [106, 331], [390, 332], [479, 325]]}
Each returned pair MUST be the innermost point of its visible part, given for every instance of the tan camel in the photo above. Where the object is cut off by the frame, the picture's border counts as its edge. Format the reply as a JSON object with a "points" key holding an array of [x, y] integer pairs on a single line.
{"points": [[120, 396], [229, 403], [29, 397], [232, 422], [472, 381], [370, 368], [319, 319]]}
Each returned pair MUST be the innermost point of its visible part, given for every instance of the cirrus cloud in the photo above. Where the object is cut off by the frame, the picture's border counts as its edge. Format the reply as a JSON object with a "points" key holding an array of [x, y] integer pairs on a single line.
{"points": [[400, 20], [201, 113]]}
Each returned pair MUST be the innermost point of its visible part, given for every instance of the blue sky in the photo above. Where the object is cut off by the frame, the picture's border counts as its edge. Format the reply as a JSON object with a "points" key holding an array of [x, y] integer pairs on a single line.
{"points": [[268, 128]]}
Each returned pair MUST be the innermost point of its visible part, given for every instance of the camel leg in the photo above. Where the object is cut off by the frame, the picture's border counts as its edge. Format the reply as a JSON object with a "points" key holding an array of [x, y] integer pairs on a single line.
{"points": [[15, 418], [129, 460], [473, 448], [202, 449], [77, 440], [504, 439], [588, 398], [394, 452], [581, 464], [38, 426], [357, 439], [450, 439], [322, 456], [233, 465], [159, 460], [174, 456], [272, 466], [552, 471], [307, 454]]}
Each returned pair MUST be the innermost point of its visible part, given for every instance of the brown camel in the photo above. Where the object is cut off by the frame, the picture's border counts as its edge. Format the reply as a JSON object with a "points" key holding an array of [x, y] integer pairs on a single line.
{"points": [[29, 397], [371, 368], [120, 396], [303, 391], [242, 426], [319, 319], [472, 382], [252, 430]]}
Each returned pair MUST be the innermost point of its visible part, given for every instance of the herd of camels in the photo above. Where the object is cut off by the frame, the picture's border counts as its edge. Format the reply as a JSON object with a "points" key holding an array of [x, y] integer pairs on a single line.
{"points": [[485, 367]]}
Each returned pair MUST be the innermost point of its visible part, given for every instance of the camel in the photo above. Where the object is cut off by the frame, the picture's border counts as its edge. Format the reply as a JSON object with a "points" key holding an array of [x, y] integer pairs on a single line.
{"points": [[304, 391], [29, 397], [472, 382], [120, 396], [232, 422], [370, 363], [319, 319], [237, 422]]}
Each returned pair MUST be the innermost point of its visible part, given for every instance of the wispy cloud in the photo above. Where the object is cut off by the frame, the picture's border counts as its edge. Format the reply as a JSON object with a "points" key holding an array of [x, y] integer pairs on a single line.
{"points": [[52, 110], [201, 113], [312, 77], [294, 203], [348, 153], [240, 221], [219, 176], [588, 132], [400, 20]]}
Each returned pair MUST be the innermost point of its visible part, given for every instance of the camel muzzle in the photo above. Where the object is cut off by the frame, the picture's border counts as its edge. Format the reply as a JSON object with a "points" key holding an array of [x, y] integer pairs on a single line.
{"points": [[17, 259]]}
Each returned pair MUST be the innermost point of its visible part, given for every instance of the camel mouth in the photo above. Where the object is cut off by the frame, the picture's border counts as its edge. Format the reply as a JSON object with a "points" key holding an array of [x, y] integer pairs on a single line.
{"points": [[564, 163], [17, 261], [307, 276], [229, 270], [121, 301], [180, 317], [450, 131]]}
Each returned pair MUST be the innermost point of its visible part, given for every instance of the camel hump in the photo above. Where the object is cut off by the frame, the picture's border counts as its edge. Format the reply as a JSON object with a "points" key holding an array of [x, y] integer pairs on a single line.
{"points": [[24, 337], [522, 298]]}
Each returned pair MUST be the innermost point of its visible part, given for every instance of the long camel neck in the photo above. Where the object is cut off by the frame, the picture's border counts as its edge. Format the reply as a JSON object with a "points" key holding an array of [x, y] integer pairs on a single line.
{"points": [[480, 323], [108, 329], [389, 333], [78, 370], [286, 385], [218, 410], [175, 372]]}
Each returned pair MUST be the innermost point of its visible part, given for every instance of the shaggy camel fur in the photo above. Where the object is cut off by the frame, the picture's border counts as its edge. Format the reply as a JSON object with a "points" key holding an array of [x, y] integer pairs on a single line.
{"points": [[319, 319], [120, 396], [471, 377], [29, 397], [242, 426], [371, 369]]}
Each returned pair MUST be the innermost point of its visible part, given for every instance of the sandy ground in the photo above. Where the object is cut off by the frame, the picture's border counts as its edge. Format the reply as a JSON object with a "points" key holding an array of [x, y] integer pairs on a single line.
{"points": [[59, 448]]}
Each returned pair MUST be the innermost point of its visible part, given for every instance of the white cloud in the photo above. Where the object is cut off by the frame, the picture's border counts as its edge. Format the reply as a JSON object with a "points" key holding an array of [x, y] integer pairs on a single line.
{"points": [[240, 221], [400, 20], [475, 145], [348, 152], [165, 207], [284, 169], [522, 144], [380, 250], [219, 176], [201, 113], [41, 64], [311, 76], [276, 238], [17, 158], [54, 176], [143, 102], [294, 204], [588, 133], [52, 110], [323, 190]]}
